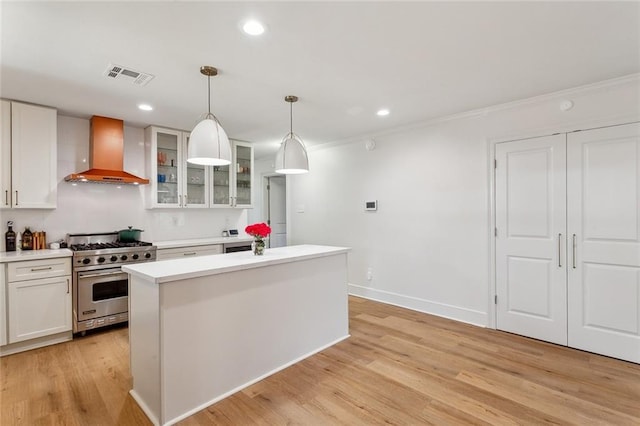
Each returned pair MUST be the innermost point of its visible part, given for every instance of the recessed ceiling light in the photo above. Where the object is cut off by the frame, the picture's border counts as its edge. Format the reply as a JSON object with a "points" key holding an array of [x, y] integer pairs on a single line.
{"points": [[253, 28], [383, 112], [145, 107]]}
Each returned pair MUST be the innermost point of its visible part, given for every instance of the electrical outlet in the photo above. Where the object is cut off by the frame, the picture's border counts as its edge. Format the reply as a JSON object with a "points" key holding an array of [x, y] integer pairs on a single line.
{"points": [[369, 274]]}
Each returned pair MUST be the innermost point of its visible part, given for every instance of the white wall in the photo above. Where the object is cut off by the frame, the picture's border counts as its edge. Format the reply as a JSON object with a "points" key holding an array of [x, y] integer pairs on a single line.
{"points": [[98, 208], [429, 243]]}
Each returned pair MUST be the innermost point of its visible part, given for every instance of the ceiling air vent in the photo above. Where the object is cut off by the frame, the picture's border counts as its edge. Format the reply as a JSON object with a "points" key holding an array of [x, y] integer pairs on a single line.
{"points": [[119, 72]]}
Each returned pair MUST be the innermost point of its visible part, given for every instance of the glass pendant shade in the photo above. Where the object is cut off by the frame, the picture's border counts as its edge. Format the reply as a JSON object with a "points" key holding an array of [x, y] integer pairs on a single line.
{"points": [[292, 158], [209, 144]]}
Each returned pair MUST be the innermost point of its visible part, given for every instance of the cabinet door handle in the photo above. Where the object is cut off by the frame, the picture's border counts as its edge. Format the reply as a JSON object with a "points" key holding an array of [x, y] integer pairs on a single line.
{"points": [[574, 251], [67, 285], [41, 269], [16, 197], [6, 197], [184, 200], [559, 250], [193, 253]]}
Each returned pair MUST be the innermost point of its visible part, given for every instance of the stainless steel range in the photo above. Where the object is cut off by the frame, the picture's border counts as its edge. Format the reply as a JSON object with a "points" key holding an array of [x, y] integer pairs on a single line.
{"points": [[100, 288]]}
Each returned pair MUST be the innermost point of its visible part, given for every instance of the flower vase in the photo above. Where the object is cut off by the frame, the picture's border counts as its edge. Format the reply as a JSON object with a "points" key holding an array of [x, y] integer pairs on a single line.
{"points": [[258, 247]]}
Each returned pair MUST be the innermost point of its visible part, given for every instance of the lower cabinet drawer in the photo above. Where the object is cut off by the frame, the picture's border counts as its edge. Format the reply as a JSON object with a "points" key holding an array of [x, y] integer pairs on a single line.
{"points": [[36, 269], [182, 252]]}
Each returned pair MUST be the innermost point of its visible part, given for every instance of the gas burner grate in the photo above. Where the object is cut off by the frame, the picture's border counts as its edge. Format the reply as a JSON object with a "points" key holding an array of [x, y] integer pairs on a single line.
{"points": [[102, 246]]}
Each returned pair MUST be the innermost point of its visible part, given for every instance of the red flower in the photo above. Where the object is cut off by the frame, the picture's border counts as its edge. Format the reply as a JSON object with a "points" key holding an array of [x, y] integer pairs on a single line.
{"points": [[258, 230]]}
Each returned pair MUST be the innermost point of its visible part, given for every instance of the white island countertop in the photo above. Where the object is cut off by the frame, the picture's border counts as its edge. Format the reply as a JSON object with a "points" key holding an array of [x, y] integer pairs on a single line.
{"points": [[182, 269], [203, 328]]}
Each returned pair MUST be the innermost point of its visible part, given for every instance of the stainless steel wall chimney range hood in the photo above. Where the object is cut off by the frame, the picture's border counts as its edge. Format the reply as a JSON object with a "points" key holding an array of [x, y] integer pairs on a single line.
{"points": [[106, 155]]}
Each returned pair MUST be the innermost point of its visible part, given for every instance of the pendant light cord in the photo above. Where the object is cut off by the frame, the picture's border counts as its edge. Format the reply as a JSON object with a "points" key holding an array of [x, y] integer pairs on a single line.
{"points": [[290, 117], [209, 91]]}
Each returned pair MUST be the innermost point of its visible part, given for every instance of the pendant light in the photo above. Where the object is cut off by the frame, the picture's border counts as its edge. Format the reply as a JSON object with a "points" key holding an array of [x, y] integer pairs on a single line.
{"points": [[208, 142], [292, 155]]}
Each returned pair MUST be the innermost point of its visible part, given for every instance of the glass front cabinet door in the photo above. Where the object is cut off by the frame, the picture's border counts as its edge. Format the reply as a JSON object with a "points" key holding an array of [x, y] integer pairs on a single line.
{"points": [[174, 182], [243, 179], [232, 184], [196, 190]]}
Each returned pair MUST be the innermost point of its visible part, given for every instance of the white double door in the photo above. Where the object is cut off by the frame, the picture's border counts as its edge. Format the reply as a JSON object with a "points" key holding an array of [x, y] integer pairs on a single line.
{"points": [[568, 239]]}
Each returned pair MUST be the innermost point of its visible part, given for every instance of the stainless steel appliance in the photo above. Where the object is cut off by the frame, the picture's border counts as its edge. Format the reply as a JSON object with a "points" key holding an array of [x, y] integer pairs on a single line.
{"points": [[237, 246], [100, 289]]}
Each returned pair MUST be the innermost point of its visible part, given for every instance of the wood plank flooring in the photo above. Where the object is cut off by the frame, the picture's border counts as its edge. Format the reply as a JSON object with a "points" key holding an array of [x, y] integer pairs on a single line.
{"points": [[398, 367]]}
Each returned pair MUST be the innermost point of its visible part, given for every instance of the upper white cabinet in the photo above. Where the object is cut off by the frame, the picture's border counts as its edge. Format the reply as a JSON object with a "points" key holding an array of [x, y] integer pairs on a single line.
{"points": [[178, 184], [174, 182], [232, 184], [28, 156]]}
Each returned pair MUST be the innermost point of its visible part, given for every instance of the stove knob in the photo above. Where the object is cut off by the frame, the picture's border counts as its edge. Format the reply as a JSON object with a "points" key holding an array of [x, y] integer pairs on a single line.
{"points": [[123, 257], [113, 258], [86, 260], [147, 255], [101, 260], [135, 257]]}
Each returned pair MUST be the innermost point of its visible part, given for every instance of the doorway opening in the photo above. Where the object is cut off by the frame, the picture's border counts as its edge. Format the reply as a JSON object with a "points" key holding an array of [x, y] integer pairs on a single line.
{"points": [[275, 206]]}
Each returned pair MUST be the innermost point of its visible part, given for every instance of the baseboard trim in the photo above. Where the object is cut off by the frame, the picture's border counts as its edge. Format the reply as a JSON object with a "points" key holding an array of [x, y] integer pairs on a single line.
{"points": [[456, 313]]}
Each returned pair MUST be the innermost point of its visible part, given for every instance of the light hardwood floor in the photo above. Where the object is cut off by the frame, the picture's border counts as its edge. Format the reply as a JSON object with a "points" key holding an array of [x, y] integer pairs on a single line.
{"points": [[398, 367]]}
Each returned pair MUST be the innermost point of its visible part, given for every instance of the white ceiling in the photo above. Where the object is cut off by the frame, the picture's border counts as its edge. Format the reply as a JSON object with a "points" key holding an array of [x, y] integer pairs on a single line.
{"points": [[344, 60]]}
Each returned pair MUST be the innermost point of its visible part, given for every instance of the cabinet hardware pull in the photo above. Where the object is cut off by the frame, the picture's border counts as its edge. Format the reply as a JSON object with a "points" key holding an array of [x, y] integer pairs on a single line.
{"points": [[559, 250], [574, 251], [41, 269], [189, 254], [6, 197], [16, 197], [67, 285]]}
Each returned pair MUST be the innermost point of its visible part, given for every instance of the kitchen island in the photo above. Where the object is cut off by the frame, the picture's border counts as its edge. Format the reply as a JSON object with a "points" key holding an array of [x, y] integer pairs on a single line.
{"points": [[204, 328]]}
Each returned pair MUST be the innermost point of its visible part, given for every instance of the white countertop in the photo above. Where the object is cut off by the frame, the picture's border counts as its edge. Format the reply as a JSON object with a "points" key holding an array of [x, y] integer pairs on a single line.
{"points": [[200, 242], [22, 255], [193, 267]]}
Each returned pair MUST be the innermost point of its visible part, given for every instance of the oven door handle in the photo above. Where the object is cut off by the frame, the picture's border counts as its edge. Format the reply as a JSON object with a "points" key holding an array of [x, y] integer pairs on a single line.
{"points": [[99, 274]]}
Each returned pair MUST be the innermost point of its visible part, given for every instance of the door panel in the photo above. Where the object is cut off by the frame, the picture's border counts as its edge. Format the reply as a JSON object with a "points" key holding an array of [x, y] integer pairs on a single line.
{"points": [[277, 211], [603, 172], [530, 243]]}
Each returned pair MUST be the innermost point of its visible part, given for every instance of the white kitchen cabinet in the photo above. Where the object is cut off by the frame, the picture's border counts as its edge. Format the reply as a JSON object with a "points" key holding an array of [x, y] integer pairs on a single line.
{"points": [[28, 156], [3, 307], [38, 298], [178, 184], [174, 182], [232, 184], [193, 251]]}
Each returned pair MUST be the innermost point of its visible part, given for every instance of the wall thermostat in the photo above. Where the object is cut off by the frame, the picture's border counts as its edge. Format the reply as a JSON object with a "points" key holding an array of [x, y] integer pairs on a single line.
{"points": [[371, 205]]}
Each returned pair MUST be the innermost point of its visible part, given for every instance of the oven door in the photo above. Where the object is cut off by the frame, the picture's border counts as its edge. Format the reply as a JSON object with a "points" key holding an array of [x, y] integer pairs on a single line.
{"points": [[101, 293]]}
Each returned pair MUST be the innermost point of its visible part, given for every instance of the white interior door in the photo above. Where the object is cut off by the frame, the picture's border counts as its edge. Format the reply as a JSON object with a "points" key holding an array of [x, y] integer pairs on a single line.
{"points": [[277, 211], [530, 244], [604, 276]]}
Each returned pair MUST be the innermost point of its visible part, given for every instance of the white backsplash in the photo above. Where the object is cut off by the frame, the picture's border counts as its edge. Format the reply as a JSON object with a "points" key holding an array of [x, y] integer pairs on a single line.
{"points": [[99, 208]]}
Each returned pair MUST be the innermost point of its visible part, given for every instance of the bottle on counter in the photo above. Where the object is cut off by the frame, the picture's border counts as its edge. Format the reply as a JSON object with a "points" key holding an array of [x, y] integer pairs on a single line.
{"points": [[27, 239], [10, 238]]}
